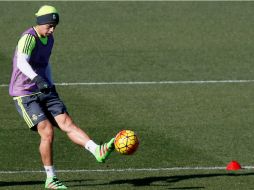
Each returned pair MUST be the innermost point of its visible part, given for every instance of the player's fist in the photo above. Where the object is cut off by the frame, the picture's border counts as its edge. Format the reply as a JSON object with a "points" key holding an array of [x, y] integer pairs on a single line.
{"points": [[42, 84]]}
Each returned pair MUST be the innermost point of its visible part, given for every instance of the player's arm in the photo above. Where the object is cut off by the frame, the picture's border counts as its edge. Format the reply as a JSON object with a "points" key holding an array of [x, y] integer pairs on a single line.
{"points": [[48, 73], [25, 47]]}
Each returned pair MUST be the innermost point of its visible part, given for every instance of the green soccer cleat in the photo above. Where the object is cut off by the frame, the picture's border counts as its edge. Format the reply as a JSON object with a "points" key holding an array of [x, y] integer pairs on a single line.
{"points": [[103, 151], [54, 183]]}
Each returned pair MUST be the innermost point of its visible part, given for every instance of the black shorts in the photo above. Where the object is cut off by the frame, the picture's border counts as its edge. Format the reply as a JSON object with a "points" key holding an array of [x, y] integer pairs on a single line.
{"points": [[39, 107]]}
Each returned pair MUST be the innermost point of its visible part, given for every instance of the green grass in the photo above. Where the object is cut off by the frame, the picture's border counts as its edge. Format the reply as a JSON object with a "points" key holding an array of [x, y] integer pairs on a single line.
{"points": [[179, 125]]}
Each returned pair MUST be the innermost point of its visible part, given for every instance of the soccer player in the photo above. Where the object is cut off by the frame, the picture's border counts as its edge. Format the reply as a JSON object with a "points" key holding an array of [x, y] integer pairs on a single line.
{"points": [[36, 98]]}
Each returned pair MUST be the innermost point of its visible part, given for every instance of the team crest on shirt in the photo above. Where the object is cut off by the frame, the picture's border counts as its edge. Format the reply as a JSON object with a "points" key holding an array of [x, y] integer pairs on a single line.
{"points": [[34, 117]]}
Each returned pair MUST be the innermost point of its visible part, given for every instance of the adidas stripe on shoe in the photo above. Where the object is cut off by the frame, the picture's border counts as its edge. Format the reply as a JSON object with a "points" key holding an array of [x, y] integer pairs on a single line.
{"points": [[103, 151], [54, 183]]}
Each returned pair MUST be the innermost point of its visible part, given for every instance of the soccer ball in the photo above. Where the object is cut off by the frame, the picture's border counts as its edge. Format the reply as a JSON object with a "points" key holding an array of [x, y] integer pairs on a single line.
{"points": [[126, 142]]}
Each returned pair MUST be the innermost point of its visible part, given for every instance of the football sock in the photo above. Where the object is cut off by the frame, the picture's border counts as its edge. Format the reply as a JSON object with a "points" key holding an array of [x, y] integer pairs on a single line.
{"points": [[91, 146], [50, 171]]}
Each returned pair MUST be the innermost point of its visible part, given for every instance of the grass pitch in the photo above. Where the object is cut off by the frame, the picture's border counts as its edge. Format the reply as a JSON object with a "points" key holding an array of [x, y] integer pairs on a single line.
{"points": [[179, 125]]}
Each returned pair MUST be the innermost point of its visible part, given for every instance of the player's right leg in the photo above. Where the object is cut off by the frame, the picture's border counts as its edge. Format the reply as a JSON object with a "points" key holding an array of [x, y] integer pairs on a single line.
{"points": [[45, 130], [32, 112]]}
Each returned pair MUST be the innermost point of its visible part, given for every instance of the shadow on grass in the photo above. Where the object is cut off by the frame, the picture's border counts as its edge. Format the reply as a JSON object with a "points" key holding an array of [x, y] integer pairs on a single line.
{"points": [[161, 180], [28, 183], [138, 182], [31, 183], [166, 180], [19, 183]]}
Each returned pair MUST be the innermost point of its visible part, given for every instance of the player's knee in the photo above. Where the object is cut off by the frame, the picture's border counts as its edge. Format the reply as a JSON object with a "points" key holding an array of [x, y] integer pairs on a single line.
{"points": [[48, 136], [46, 131]]}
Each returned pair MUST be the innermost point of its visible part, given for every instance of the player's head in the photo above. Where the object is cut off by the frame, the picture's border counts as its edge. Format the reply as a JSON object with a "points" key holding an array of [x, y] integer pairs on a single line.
{"points": [[47, 15], [47, 18]]}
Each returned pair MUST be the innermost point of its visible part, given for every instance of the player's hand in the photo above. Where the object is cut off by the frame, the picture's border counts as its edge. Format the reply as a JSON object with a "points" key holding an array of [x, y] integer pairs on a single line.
{"points": [[42, 84]]}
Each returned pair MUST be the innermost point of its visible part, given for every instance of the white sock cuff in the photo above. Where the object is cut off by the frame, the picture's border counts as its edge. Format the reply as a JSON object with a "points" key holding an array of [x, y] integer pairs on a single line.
{"points": [[50, 171], [91, 146]]}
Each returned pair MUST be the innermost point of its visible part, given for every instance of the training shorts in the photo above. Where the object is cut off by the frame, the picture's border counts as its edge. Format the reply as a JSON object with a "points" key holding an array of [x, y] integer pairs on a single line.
{"points": [[39, 107]]}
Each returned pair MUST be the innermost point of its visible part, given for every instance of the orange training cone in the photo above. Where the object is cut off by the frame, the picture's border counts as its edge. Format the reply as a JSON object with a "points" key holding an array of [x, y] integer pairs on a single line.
{"points": [[233, 165]]}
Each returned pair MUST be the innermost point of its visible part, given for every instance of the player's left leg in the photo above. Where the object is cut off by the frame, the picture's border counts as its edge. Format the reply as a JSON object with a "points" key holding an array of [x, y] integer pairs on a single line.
{"points": [[78, 136], [57, 109]]}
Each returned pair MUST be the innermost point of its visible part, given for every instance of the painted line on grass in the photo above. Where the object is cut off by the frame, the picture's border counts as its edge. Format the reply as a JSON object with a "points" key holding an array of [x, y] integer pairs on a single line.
{"points": [[154, 82], [125, 170], [146, 82]]}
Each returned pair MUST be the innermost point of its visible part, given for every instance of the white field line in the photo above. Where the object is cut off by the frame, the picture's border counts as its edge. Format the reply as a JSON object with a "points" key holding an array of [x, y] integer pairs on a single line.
{"points": [[147, 82], [155, 82], [125, 170]]}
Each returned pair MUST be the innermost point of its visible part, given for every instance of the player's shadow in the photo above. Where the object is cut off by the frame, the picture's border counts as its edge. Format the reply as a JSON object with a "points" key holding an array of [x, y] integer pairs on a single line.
{"points": [[19, 183], [30, 183], [136, 182], [169, 180], [156, 181]]}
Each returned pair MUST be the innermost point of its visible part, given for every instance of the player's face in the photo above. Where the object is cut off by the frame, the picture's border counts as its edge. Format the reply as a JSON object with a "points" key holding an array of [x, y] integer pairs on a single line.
{"points": [[47, 29]]}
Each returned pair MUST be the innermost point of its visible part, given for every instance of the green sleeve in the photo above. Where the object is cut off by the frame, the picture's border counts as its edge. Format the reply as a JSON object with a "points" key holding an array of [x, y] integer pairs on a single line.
{"points": [[26, 44]]}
